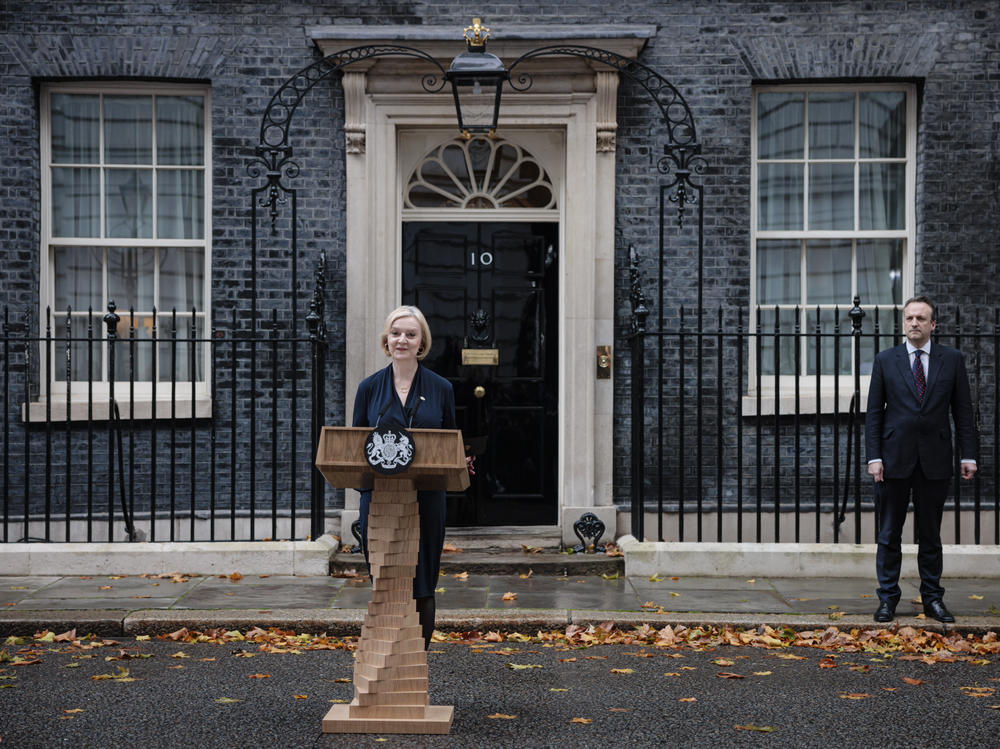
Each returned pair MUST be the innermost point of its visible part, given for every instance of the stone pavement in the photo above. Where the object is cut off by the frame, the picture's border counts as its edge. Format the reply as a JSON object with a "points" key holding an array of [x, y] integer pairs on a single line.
{"points": [[481, 597]]}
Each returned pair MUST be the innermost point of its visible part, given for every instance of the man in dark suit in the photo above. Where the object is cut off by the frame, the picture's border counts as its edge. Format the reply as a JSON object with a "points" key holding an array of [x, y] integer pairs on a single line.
{"points": [[914, 386]]}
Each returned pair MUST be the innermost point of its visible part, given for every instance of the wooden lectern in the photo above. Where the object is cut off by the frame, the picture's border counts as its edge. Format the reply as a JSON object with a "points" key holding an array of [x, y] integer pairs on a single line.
{"points": [[390, 667]]}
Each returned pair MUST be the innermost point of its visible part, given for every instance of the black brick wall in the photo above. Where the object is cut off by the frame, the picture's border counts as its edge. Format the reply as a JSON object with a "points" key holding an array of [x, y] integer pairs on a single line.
{"points": [[712, 51]]}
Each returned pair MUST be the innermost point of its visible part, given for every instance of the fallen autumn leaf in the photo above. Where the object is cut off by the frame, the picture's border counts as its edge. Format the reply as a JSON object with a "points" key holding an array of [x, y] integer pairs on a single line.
{"points": [[754, 727]]}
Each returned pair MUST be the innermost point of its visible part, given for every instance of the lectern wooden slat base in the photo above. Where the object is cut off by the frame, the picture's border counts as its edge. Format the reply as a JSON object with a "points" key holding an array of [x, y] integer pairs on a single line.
{"points": [[390, 666]]}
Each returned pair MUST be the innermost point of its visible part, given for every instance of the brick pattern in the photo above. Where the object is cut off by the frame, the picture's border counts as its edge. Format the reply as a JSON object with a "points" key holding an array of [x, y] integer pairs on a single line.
{"points": [[712, 52]]}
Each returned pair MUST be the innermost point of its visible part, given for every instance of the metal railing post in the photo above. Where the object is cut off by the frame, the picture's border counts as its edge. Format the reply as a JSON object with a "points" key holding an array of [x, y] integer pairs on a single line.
{"points": [[111, 320], [857, 315], [317, 489], [637, 336]]}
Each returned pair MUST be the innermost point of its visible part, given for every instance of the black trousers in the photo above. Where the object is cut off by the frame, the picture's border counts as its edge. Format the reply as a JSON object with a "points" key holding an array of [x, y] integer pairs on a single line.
{"points": [[928, 505]]}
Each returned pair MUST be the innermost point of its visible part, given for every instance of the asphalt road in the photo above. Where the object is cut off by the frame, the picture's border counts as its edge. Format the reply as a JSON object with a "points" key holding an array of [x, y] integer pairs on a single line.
{"points": [[203, 695]]}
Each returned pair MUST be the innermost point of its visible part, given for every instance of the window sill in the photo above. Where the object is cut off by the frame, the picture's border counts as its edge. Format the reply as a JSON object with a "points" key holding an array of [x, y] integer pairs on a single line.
{"points": [[141, 410], [807, 403]]}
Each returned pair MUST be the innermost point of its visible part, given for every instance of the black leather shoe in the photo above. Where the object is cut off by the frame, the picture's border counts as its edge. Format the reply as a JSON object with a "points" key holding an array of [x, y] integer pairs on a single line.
{"points": [[885, 612], [936, 610]]}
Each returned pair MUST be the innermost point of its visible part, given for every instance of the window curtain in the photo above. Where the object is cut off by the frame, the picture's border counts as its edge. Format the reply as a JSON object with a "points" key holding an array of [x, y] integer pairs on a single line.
{"points": [[180, 141], [181, 273]]}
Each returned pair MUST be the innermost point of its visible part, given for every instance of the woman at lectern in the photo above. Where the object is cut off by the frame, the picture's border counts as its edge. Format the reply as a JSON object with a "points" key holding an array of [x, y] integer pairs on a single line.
{"points": [[410, 395]]}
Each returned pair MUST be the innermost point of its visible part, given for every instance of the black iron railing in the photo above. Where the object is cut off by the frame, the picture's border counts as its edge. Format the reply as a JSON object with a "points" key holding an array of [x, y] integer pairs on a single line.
{"points": [[167, 427], [761, 421]]}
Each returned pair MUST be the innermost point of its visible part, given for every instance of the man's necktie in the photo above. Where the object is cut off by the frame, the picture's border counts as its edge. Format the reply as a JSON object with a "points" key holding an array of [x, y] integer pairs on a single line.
{"points": [[918, 375]]}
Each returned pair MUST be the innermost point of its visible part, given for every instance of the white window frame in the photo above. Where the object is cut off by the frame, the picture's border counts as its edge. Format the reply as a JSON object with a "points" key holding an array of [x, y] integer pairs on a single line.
{"points": [[52, 400], [781, 394]]}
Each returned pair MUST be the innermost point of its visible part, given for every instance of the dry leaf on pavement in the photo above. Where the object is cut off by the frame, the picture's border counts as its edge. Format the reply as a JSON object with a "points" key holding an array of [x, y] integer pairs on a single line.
{"points": [[978, 691]]}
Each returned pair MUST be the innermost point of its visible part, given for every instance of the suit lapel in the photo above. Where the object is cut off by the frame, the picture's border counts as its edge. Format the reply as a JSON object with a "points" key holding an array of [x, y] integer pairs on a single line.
{"points": [[903, 365]]}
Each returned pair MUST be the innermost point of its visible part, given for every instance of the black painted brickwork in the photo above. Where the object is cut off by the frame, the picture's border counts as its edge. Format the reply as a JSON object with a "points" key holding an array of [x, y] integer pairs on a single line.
{"points": [[712, 51]]}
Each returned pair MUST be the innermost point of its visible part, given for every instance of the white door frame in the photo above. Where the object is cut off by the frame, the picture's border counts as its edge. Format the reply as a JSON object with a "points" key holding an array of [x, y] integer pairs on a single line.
{"points": [[569, 96]]}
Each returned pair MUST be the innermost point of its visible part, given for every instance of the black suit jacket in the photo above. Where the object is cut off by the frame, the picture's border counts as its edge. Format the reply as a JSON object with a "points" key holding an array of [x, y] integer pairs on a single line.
{"points": [[901, 430]]}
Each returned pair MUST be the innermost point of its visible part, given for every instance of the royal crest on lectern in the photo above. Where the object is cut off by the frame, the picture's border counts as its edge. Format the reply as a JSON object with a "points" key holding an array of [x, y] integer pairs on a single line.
{"points": [[389, 449]]}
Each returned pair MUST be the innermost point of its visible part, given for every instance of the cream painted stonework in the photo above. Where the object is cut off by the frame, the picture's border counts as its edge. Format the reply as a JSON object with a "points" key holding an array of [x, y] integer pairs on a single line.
{"points": [[567, 120]]}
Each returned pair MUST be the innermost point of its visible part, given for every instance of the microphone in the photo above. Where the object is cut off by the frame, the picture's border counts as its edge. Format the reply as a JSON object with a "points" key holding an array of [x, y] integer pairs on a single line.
{"points": [[416, 408], [413, 414], [382, 412]]}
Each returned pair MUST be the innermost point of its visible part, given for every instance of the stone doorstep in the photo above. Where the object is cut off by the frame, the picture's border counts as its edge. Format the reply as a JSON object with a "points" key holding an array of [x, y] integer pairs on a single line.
{"points": [[548, 563]]}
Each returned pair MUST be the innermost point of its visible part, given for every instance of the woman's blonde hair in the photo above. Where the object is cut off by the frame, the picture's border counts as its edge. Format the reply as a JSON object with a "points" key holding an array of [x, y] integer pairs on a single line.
{"points": [[408, 310]]}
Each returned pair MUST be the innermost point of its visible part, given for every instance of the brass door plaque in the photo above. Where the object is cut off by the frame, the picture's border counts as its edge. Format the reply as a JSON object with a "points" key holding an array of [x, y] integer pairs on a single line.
{"points": [[489, 357]]}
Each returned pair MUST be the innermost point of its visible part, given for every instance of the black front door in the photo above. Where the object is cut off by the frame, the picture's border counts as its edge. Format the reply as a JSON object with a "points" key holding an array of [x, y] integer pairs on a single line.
{"points": [[490, 294]]}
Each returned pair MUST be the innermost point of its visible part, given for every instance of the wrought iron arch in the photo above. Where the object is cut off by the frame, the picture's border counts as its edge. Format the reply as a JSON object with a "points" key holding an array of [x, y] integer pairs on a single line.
{"points": [[280, 110], [681, 153], [681, 160], [675, 110], [273, 155]]}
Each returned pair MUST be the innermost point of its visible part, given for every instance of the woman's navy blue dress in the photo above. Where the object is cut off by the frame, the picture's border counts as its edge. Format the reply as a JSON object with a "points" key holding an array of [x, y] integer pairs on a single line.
{"points": [[436, 411]]}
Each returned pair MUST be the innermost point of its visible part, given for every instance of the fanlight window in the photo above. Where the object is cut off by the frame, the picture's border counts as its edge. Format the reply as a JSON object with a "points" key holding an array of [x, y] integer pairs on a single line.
{"points": [[479, 173]]}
